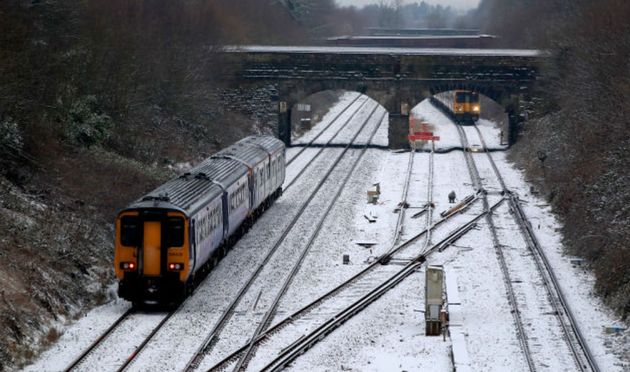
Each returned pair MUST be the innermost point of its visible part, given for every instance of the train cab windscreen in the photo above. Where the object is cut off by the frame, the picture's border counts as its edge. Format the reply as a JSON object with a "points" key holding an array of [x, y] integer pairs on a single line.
{"points": [[173, 232], [467, 97], [130, 231]]}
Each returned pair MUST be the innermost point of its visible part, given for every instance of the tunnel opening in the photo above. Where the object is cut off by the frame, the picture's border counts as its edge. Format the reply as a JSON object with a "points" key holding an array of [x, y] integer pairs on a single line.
{"points": [[325, 108], [436, 115]]}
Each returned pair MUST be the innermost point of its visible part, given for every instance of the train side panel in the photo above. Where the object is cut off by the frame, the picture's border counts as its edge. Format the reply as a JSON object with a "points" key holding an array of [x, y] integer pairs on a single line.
{"points": [[207, 231], [238, 203], [275, 169]]}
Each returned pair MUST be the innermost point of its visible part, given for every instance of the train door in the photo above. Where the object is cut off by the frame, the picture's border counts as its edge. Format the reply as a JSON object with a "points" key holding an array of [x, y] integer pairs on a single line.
{"points": [[151, 248], [226, 214], [274, 173], [160, 234], [260, 184], [269, 174]]}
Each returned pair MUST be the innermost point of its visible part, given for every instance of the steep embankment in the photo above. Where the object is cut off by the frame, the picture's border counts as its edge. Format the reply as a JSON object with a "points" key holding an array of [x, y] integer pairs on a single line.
{"points": [[56, 243], [588, 187]]}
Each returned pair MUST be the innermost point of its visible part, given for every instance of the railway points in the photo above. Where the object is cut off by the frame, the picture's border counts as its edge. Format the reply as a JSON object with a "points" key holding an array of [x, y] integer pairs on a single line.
{"points": [[579, 349], [257, 312]]}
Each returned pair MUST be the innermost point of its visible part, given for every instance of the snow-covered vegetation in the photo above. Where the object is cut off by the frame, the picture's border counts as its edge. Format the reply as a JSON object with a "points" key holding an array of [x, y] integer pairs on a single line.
{"points": [[101, 100], [579, 128]]}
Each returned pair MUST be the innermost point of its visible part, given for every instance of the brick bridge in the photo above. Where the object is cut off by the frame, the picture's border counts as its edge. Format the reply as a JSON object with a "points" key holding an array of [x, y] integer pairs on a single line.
{"points": [[265, 81]]}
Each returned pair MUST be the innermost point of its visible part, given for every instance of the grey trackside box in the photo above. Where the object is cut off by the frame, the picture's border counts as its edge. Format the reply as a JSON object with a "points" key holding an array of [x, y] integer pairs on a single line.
{"points": [[434, 300]]}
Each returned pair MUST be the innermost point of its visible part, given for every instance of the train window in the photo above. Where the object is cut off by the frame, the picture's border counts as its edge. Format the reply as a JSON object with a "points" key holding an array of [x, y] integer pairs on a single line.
{"points": [[467, 97], [173, 232], [130, 231], [237, 198], [206, 224]]}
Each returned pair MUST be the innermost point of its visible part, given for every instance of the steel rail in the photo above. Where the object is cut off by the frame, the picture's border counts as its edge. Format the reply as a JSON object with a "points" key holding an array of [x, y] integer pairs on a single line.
{"points": [[547, 272], [304, 310], [507, 280], [270, 313], [321, 149], [292, 352], [304, 343], [403, 201], [311, 142], [207, 343], [77, 361], [552, 282], [131, 358], [430, 205]]}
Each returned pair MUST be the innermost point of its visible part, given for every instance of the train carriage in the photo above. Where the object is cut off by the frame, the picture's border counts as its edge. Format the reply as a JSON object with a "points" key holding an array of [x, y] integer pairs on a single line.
{"points": [[175, 233], [256, 160], [463, 105], [276, 165]]}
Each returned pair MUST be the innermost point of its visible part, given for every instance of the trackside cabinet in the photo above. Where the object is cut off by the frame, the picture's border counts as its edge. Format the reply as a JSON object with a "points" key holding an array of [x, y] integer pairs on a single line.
{"points": [[434, 300]]}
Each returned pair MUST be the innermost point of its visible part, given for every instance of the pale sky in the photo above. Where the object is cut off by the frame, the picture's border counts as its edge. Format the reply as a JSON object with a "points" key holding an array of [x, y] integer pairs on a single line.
{"points": [[459, 4]]}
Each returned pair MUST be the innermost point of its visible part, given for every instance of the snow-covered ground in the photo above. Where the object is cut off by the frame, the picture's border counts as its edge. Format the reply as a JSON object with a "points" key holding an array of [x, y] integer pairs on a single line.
{"points": [[390, 333]]}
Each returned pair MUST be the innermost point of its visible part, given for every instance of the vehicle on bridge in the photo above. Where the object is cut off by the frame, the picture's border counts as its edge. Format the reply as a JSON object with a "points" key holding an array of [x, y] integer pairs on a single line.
{"points": [[170, 238], [462, 105]]}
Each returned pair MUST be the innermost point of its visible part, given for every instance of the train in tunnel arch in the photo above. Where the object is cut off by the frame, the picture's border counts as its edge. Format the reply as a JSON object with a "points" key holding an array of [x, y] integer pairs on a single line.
{"points": [[464, 106]]}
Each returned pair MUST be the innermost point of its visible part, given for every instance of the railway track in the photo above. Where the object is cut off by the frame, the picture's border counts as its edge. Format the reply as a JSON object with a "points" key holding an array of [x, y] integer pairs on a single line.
{"points": [[368, 278], [581, 353], [95, 344], [507, 279], [210, 340], [578, 347], [306, 341], [127, 323], [325, 129], [403, 200], [320, 150], [271, 312], [243, 359], [102, 339]]}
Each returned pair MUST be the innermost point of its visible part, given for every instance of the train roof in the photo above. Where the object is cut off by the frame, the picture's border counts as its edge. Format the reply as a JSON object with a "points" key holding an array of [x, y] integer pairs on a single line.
{"points": [[268, 143], [193, 189], [183, 193], [222, 171], [244, 152], [211, 177]]}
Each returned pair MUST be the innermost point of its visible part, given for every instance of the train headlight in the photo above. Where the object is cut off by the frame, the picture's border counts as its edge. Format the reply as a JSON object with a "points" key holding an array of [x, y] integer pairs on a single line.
{"points": [[175, 266], [476, 109], [128, 266]]}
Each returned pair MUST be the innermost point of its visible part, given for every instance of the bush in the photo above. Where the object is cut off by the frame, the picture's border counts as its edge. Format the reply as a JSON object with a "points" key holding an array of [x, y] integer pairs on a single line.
{"points": [[10, 137], [87, 125]]}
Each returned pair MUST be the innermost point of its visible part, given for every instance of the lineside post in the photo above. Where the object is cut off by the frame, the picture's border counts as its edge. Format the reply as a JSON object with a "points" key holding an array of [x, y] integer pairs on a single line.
{"points": [[284, 123]]}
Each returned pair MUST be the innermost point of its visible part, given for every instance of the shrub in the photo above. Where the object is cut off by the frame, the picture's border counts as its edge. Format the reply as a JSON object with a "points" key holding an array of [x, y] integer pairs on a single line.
{"points": [[86, 124], [10, 137]]}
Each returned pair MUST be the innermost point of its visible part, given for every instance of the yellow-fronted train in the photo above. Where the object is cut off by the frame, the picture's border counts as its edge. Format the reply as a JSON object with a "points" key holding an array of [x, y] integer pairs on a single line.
{"points": [[463, 106], [170, 238]]}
